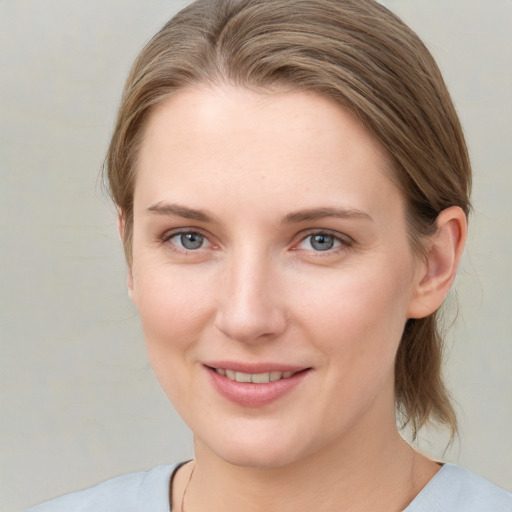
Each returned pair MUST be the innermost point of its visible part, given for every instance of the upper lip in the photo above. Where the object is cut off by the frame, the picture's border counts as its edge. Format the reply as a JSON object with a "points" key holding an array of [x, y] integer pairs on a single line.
{"points": [[254, 368]]}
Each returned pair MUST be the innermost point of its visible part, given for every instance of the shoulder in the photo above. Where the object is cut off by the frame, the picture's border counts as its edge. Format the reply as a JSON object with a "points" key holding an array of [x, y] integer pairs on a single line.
{"points": [[456, 489], [121, 494]]}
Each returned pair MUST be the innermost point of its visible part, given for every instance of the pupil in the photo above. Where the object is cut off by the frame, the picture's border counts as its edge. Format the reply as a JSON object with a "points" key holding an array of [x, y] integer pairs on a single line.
{"points": [[322, 242], [191, 240]]}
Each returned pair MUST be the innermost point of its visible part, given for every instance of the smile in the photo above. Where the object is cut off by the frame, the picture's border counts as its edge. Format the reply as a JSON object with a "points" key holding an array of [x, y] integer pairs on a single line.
{"points": [[256, 378], [255, 387]]}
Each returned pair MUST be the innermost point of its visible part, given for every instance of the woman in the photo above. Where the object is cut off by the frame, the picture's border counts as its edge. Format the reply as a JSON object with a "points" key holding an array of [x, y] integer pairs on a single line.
{"points": [[293, 189]]}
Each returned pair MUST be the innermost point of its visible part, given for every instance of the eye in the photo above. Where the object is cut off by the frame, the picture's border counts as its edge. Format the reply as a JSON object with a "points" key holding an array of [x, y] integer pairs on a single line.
{"points": [[320, 242], [188, 240]]}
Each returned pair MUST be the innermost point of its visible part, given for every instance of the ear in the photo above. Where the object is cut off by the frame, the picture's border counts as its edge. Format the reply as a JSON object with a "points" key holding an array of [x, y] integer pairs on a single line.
{"points": [[121, 229], [444, 251]]}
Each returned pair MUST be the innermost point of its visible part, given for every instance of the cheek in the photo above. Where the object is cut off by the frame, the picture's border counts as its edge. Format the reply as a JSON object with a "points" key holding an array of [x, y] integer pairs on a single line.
{"points": [[347, 303], [174, 307], [356, 320], [357, 324], [171, 323]]}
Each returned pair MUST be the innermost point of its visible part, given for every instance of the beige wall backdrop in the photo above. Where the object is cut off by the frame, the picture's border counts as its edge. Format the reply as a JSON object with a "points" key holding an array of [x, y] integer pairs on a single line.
{"points": [[78, 399]]}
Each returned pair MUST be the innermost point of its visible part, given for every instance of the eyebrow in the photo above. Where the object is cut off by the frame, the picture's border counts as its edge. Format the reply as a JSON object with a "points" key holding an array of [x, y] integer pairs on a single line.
{"points": [[176, 210], [321, 213]]}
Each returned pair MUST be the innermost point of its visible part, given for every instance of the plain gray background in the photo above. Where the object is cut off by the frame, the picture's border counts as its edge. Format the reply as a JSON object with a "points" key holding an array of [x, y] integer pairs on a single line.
{"points": [[79, 402]]}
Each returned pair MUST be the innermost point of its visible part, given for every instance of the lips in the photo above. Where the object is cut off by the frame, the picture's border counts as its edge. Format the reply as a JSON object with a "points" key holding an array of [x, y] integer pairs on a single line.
{"points": [[254, 385]]}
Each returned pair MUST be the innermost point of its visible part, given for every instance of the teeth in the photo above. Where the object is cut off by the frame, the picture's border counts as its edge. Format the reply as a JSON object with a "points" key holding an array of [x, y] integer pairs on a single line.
{"points": [[257, 378], [275, 376], [260, 378], [243, 377]]}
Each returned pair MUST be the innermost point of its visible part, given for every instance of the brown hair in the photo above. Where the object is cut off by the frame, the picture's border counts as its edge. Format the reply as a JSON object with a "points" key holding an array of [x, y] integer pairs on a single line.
{"points": [[361, 55]]}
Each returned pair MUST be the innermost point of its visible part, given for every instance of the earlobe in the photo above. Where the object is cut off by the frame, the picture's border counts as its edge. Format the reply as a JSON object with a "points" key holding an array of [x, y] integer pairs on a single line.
{"points": [[121, 230], [442, 261]]}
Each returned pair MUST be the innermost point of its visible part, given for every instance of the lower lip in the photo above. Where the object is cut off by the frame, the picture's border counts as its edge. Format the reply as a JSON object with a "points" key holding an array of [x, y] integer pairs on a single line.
{"points": [[248, 394]]}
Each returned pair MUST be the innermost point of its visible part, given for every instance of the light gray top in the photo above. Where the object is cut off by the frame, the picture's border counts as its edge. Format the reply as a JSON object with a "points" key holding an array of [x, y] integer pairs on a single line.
{"points": [[452, 489]]}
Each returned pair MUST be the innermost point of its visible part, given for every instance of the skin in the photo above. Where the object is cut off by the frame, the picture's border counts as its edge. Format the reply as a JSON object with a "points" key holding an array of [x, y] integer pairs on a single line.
{"points": [[256, 165]]}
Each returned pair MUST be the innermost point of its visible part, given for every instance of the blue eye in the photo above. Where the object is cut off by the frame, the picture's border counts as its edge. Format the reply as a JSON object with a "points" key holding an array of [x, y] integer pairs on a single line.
{"points": [[189, 240], [320, 242]]}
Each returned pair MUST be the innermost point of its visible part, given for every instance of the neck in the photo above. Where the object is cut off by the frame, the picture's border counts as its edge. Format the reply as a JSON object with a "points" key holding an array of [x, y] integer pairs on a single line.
{"points": [[383, 473]]}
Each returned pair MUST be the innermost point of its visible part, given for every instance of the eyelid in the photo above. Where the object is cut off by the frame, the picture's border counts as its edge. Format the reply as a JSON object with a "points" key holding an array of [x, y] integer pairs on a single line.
{"points": [[345, 240], [168, 235]]}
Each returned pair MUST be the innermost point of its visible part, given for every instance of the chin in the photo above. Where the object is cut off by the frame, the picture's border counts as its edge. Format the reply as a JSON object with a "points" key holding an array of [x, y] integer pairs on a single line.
{"points": [[256, 448], [256, 458]]}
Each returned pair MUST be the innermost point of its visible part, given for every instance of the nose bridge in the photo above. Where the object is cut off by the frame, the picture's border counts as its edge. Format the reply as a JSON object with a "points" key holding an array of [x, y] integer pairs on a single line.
{"points": [[250, 305]]}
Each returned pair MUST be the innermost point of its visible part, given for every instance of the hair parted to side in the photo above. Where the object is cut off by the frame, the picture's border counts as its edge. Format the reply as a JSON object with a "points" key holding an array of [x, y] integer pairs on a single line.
{"points": [[359, 54]]}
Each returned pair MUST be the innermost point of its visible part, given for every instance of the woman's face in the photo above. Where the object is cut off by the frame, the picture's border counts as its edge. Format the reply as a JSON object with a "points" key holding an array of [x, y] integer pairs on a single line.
{"points": [[270, 246]]}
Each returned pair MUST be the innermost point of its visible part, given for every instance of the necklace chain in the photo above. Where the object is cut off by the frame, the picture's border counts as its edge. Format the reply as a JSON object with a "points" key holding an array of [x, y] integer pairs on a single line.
{"points": [[182, 505]]}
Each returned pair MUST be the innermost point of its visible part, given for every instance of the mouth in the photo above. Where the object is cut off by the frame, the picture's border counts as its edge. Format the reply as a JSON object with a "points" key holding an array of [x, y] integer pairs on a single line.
{"points": [[255, 385], [256, 378]]}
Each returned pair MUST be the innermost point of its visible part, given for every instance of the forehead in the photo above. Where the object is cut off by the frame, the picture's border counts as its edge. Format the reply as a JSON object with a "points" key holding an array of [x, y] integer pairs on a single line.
{"points": [[228, 142]]}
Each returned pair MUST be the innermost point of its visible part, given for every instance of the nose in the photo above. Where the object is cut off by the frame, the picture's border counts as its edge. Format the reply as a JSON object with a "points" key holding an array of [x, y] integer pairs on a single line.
{"points": [[251, 307]]}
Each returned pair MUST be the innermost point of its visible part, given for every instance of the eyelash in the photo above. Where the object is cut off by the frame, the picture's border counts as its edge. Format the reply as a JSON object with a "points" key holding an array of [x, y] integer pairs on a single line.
{"points": [[168, 236], [343, 242]]}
